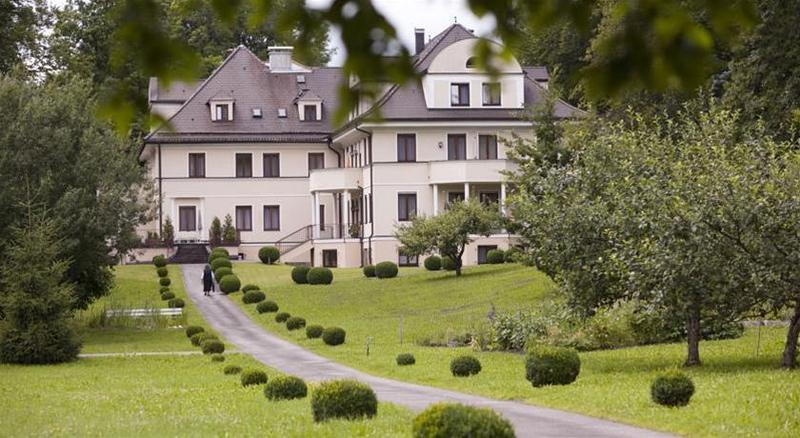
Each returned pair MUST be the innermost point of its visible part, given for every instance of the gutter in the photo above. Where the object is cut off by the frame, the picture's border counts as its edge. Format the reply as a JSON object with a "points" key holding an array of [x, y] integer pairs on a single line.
{"points": [[371, 197]]}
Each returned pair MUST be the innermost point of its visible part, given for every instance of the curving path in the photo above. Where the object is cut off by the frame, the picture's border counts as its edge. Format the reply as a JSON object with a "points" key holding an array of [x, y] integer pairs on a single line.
{"points": [[529, 421]]}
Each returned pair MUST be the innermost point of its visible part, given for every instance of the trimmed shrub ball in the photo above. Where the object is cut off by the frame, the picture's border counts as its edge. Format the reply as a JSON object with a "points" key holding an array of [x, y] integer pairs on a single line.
{"points": [[176, 303], [552, 366], [164, 281], [433, 263], [267, 307], [406, 359], [346, 399], [386, 270], [495, 257], [217, 358], [232, 369], [282, 317], [167, 296], [300, 274], [333, 335], [463, 366], [212, 346], [162, 271], [369, 271], [253, 377], [253, 296], [269, 255], [448, 264], [513, 254], [163, 289], [160, 261], [222, 271], [285, 388], [220, 263], [314, 331], [454, 420], [295, 323], [672, 389], [248, 287], [218, 253], [199, 338], [319, 276], [193, 330], [229, 284]]}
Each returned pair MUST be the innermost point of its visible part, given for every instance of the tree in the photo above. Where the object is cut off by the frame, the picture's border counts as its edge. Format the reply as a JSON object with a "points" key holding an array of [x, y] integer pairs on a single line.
{"points": [[450, 232], [21, 24], [168, 233], [215, 232], [228, 230]]}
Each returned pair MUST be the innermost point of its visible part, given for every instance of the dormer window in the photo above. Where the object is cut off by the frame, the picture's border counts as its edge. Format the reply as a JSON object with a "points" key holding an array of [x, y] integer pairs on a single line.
{"points": [[459, 94], [222, 111], [310, 111], [491, 94]]}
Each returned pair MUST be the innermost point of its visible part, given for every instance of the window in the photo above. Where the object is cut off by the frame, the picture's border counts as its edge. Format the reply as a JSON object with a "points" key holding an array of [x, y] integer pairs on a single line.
{"points": [[244, 165], [453, 197], [457, 147], [472, 62], [488, 198], [491, 94], [406, 147], [329, 258], [483, 251], [316, 160], [272, 165], [487, 147], [272, 218], [222, 112], [197, 165], [459, 94], [406, 260], [187, 219], [309, 113], [244, 218], [406, 206]]}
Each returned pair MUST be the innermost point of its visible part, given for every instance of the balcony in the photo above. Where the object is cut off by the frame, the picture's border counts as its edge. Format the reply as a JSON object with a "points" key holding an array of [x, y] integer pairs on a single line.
{"points": [[471, 171], [335, 179]]}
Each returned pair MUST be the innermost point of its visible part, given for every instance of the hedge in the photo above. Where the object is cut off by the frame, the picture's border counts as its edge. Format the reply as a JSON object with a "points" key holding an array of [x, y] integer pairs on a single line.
{"points": [[300, 274], [269, 255], [347, 399], [199, 338], [448, 264], [162, 271], [253, 296], [319, 276], [167, 296], [232, 369], [314, 331], [176, 303], [453, 420], [220, 263], [386, 270], [282, 317], [159, 261], [295, 323], [216, 357], [285, 388], [193, 330], [212, 346], [333, 336], [405, 359], [229, 284], [222, 271], [552, 366], [463, 366], [164, 281], [267, 307], [672, 389], [163, 289], [369, 271], [433, 263], [513, 254], [253, 377], [248, 287], [495, 257]]}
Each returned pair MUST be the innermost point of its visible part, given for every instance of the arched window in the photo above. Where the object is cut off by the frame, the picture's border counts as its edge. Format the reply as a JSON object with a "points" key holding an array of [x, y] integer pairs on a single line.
{"points": [[472, 62]]}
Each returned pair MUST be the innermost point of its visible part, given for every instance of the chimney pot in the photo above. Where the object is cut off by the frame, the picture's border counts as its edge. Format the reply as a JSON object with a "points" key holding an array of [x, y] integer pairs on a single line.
{"points": [[419, 40]]}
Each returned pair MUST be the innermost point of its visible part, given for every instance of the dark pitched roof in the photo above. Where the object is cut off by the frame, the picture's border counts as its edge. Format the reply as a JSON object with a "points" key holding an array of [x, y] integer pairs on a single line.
{"points": [[176, 92], [452, 34]]}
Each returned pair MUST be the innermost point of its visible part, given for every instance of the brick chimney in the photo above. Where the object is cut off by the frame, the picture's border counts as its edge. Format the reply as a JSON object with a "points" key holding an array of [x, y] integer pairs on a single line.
{"points": [[419, 40], [280, 58]]}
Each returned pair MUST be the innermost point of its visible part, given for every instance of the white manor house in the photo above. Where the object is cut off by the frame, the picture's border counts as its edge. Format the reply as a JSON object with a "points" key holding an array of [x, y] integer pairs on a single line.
{"points": [[257, 141]]}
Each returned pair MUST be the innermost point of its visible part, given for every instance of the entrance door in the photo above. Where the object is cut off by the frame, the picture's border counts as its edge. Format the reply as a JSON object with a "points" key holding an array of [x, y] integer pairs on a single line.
{"points": [[187, 219], [483, 251]]}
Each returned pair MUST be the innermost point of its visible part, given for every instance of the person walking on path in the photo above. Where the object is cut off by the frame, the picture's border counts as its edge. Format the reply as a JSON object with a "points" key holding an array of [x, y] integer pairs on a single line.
{"points": [[208, 281]]}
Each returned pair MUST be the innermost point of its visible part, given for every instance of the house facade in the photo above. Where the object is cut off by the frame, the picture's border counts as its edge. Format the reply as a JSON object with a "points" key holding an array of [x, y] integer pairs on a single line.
{"points": [[257, 141]]}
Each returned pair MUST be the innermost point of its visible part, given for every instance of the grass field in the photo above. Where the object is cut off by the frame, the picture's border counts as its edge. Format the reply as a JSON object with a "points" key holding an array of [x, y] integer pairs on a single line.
{"points": [[738, 393]]}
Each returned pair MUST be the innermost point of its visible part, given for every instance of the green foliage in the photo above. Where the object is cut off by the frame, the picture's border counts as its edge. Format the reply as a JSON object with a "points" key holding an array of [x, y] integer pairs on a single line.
{"points": [[285, 388], [300, 274], [314, 331], [248, 287], [220, 262], [167, 295], [319, 275], [163, 289], [269, 255], [212, 346], [164, 281], [193, 330], [176, 303], [222, 271], [405, 359], [448, 264], [333, 336], [217, 358], [168, 232], [215, 233], [198, 338], [552, 366], [229, 284], [345, 399], [21, 35], [253, 296], [159, 261], [232, 369], [295, 323], [386, 270], [672, 389], [282, 316], [495, 256], [267, 307], [433, 263], [465, 365], [369, 271], [452, 420], [252, 377], [162, 272], [513, 255], [218, 253], [228, 230]]}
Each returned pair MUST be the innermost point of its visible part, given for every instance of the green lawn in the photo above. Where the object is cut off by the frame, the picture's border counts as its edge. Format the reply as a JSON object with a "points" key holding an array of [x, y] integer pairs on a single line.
{"points": [[737, 393]]}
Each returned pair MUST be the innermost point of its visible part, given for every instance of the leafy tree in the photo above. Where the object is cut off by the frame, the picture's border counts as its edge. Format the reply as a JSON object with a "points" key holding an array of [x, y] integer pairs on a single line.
{"points": [[450, 232], [21, 24], [168, 232], [215, 232], [228, 230]]}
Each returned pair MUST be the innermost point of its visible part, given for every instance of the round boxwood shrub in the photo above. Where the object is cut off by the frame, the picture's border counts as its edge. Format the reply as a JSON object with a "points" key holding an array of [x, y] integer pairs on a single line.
{"points": [[463, 366], [285, 388], [253, 296], [672, 389], [216, 357], [163, 289], [369, 271], [513, 254], [448, 264], [552, 366], [314, 331], [386, 270], [220, 263], [300, 274], [222, 271], [295, 323], [406, 359], [282, 317], [162, 271], [232, 369], [218, 253], [453, 420], [346, 399], [160, 261], [176, 303], [167, 296], [319, 276], [193, 330], [495, 256], [433, 263], [164, 281], [269, 255], [248, 287], [199, 338], [333, 335], [253, 377], [229, 284], [267, 307], [212, 346]]}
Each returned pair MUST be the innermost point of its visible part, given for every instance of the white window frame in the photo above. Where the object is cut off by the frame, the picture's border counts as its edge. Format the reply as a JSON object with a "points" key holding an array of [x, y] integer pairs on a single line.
{"points": [[215, 105]]}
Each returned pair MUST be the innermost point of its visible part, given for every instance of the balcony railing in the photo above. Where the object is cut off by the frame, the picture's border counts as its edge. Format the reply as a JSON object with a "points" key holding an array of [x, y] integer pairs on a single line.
{"points": [[321, 231]]}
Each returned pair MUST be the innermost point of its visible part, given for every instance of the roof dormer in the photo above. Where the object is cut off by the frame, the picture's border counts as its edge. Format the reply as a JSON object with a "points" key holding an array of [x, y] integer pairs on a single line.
{"points": [[221, 109], [309, 106]]}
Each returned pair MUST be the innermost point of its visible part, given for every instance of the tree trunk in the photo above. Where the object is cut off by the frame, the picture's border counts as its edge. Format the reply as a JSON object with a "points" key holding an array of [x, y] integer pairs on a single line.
{"points": [[693, 336], [790, 349], [458, 266]]}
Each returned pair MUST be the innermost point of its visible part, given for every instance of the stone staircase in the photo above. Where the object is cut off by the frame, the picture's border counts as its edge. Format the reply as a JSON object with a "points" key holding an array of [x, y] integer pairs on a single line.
{"points": [[190, 253]]}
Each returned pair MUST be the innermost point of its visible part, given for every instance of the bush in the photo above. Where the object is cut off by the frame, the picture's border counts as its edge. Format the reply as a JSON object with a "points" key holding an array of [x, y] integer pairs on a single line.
{"points": [[314, 331], [552, 366], [221, 262], [164, 281], [199, 338], [333, 336], [453, 420], [222, 271], [253, 296], [176, 303], [513, 255], [167, 296], [300, 274], [406, 359], [448, 264], [269, 255], [253, 377], [217, 358], [267, 307], [672, 389], [495, 257], [162, 271], [160, 261], [369, 271], [218, 253], [463, 366], [282, 317], [42, 343], [212, 346], [229, 284], [285, 388], [232, 369], [433, 263], [295, 323], [193, 330], [386, 270], [319, 276], [163, 289], [346, 399], [248, 287]]}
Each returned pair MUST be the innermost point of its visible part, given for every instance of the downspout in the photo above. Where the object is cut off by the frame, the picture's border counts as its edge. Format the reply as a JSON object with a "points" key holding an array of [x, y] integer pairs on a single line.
{"points": [[371, 193], [339, 202], [338, 155], [160, 200]]}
